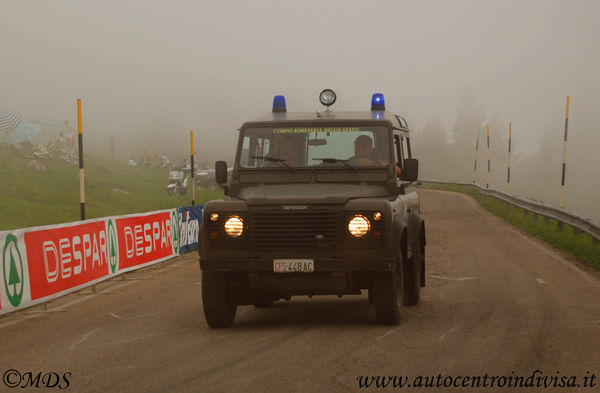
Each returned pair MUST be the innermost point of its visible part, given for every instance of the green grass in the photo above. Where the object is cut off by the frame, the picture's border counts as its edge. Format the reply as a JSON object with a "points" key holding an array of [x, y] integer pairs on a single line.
{"points": [[30, 197], [579, 245]]}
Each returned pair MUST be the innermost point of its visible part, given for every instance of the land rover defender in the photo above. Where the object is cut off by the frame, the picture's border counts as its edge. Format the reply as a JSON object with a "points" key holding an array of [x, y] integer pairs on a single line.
{"points": [[321, 203]]}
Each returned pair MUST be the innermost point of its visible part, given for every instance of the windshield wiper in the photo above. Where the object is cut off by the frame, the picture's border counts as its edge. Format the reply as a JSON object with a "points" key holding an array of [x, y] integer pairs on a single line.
{"points": [[275, 160], [335, 161]]}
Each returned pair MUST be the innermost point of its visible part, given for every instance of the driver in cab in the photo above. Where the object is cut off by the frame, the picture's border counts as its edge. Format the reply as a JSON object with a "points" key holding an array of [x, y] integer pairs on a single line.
{"points": [[284, 150], [363, 152]]}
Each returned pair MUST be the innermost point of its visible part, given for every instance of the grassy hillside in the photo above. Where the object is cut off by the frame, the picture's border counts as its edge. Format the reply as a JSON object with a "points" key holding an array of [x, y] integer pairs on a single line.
{"points": [[30, 197]]}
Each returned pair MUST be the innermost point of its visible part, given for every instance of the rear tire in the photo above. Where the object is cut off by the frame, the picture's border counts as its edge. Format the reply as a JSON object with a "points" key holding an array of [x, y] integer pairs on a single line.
{"points": [[219, 307], [412, 277], [388, 294]]}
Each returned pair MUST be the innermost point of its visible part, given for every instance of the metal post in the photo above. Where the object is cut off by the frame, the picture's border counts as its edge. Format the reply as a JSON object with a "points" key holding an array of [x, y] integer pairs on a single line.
{"points": [[487, 178], [192, 167], [564, 163], [81, 174], [476, 157], [509, 153]]}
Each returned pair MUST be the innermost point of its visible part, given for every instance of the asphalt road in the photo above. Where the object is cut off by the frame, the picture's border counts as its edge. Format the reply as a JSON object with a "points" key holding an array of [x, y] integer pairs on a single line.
{"points": [[497, 302]]}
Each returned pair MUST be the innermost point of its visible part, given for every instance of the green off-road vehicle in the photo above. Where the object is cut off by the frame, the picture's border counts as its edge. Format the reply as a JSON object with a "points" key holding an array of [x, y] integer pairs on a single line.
{"points": [[320, 203]]}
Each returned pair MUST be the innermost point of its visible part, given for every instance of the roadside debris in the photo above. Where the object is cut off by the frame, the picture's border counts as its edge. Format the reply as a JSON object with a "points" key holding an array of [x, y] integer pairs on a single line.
{"points": [[37, 165]]}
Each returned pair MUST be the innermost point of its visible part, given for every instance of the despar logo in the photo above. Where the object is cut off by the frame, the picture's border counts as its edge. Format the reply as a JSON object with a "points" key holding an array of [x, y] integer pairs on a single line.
{"points": [[145, 238], [12, 266], [113, 250], [66, 256]]}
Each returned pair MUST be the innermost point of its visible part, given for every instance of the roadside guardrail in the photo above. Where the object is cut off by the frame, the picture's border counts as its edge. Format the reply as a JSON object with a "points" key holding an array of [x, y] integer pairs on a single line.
{"points": [[562, 216]]}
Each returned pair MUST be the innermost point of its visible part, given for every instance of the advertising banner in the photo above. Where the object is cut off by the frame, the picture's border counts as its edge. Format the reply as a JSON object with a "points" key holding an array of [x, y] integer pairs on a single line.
{"points": [[42, 263], [146, 238], [14, 286], [66, 257], [190, 219]]}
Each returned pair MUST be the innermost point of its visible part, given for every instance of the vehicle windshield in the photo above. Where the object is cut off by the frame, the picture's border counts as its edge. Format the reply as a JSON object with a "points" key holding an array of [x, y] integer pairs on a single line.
{"points": [[290, 147]]}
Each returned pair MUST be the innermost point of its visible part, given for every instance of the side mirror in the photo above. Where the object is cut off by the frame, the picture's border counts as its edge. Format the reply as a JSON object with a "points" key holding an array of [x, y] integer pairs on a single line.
{"points": [[411, 170], [221, 172]]}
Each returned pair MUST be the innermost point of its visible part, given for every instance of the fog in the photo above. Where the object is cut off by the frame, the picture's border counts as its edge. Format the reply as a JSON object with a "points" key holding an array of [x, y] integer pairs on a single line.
{"points": [[148, 72]]}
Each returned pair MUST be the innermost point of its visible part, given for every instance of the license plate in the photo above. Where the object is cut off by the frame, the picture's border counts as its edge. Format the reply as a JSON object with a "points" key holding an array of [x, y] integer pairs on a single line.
{"points": [[293, 265]]}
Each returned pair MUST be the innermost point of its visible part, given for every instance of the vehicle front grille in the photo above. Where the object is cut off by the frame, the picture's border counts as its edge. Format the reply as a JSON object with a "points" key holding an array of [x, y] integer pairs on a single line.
{"points": [[285, 229]]}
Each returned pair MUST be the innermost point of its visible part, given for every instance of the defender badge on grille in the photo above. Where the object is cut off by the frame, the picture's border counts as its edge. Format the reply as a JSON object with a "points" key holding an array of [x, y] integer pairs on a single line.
{"points": [[295, 207]]}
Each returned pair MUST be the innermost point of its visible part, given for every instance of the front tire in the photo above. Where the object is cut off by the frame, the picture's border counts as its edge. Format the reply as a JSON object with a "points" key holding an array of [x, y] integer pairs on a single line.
{"points": [[219, 307], [388, 294]]}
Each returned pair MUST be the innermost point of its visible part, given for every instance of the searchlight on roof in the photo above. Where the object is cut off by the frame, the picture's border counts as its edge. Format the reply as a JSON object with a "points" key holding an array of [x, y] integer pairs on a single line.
{"points": [[327, 97]]}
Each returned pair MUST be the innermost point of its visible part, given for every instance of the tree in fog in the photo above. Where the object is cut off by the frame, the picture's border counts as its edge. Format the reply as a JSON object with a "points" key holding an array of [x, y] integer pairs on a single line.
{"points": [[470, 117], [431, 148], [539, 173]]}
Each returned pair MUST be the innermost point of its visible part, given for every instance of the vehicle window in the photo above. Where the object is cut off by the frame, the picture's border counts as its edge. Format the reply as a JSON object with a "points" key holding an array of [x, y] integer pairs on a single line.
{"points": [[315, 146], [398, 151], [405, 148]]}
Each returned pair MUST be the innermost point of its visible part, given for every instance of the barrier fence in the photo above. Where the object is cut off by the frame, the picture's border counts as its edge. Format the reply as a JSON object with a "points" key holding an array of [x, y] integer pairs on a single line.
{"points": [[45, 262]]}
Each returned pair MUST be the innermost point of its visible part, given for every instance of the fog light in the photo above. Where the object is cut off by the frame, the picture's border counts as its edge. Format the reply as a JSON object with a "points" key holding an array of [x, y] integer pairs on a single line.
{"points": [[359, 225], [234, 226]]}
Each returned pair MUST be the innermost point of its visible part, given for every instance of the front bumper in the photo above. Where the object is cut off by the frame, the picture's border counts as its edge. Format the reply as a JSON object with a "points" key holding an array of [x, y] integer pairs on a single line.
{"points": [[321, 265]]}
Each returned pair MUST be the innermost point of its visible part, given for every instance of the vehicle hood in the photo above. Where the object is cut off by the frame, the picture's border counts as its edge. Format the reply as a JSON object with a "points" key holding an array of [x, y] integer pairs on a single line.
{"points": [[264, 194]]}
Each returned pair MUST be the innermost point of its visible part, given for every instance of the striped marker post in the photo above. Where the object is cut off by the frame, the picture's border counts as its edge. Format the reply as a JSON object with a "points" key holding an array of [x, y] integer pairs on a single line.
{"points": [[487, 178], [192, 167], [509, 153], [81, 174], [476, 157], [564, 163]]}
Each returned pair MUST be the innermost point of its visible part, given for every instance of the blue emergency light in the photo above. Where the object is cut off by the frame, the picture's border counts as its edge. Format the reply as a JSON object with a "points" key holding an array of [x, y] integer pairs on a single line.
{"points": [[377, 102], [279, 104]]}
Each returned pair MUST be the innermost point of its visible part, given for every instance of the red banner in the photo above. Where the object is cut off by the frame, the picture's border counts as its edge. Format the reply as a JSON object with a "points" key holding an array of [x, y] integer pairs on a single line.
{"points": [[144, 239], [63, 258]]}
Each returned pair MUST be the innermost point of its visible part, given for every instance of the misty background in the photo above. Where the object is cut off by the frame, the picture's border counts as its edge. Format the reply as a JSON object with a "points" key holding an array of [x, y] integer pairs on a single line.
{"points": [[148, 72]]}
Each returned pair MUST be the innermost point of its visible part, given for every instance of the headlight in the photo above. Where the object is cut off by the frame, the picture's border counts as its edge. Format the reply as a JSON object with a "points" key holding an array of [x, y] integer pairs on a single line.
{"points": [[359, 225], [234, 226]]}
